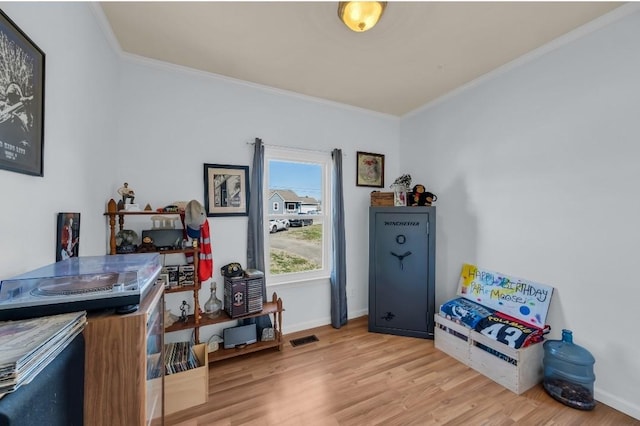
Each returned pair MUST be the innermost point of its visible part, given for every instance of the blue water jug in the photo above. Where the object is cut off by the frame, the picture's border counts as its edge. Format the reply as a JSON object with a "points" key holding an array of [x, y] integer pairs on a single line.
{"points": [[568, 372]]}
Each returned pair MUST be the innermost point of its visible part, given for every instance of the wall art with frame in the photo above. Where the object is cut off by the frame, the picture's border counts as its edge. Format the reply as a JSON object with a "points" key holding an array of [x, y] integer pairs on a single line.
{"points": [[68, 236], [226, 190], [21, 101], [370, 169]]}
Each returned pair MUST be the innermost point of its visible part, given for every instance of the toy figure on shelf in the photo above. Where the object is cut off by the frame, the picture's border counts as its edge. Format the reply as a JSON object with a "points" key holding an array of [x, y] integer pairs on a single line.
{"points": [[184, 309], [127, 199], [126, 193], [147, 245], [420, 196]]}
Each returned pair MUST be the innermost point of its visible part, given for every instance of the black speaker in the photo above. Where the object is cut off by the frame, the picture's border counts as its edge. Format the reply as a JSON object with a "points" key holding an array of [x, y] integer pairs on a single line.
{"points": [[237, 336]]}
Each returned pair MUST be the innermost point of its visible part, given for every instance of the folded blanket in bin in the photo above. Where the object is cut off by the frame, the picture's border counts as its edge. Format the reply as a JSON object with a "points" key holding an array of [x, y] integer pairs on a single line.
{"points": [[510, 331], [464, 311]]}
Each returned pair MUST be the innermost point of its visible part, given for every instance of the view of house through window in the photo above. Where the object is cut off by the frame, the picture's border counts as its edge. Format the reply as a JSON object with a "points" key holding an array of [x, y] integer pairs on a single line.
{"points": [[296, 206]]}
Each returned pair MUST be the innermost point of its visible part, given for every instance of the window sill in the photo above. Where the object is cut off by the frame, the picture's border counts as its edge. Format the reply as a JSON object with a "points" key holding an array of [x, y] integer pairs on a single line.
{"points": [[295, 282]]}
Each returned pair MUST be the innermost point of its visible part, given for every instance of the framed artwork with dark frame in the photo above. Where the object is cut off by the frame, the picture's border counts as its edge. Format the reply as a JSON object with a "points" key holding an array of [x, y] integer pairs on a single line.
{"points": [[226, 190], [21, 101], [369, 169], [68, 236]]}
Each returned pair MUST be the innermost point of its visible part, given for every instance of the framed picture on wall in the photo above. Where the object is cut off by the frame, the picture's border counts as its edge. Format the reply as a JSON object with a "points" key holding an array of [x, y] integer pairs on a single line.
{"points": [[226, 190], [68, 240], [369, 169], [21, 101]]}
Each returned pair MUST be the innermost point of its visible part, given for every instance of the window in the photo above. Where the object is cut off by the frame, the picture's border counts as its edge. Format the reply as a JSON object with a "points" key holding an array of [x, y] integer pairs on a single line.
{"points": [[276, 207], [291, 207], [299, 248]]}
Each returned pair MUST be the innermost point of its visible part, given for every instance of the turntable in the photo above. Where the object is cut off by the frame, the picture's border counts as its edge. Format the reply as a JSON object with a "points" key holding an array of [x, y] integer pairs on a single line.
{"points": [[88, 283]]}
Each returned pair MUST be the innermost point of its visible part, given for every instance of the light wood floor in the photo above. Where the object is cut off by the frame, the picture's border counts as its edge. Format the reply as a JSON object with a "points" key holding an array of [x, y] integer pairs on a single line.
{"points": [[353, 377]]}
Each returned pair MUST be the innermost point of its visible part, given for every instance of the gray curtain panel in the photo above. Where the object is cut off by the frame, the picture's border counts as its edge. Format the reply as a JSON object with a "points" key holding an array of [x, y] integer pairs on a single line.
{"points": [[339, 267], [255, 234]]}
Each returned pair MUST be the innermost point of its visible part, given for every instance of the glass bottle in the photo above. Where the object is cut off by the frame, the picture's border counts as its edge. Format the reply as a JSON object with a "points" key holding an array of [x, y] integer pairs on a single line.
{"points": [[214, 305]]}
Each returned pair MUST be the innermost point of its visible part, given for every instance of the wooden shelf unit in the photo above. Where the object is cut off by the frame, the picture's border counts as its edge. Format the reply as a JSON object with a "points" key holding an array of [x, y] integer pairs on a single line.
{"points": [[221, 353], [198, 319], [112, 213], [274, 308]]}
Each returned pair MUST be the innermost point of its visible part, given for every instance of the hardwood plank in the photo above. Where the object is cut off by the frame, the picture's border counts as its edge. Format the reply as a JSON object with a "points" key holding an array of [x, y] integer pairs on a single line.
{"points": [[353, 377]]}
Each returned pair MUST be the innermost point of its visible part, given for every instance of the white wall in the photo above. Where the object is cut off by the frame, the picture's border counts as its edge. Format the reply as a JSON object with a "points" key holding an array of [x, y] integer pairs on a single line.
{"points": [[174, 120], [81, 73], [536, 170]]}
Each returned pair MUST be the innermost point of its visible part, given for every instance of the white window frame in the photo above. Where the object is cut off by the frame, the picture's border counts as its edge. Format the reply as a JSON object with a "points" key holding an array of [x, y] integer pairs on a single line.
{"points": [[303, 156]]}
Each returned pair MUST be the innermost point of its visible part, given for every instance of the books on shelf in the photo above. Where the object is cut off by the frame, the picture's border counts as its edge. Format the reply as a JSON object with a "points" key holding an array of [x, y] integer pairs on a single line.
{"points": [[28, 346], [179, 356]]}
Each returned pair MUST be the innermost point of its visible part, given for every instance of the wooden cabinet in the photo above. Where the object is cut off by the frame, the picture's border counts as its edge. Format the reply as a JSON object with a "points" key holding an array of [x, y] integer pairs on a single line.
{"points": [[124, 365]]}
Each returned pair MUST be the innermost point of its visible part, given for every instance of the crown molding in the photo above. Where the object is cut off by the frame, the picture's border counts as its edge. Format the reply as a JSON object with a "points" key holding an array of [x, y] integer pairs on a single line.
{"points": [[576, 34], [166, 66]]}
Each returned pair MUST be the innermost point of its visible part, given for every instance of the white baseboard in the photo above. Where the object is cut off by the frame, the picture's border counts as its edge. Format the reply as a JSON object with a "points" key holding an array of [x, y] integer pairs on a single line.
{"points": [[301, 326], [293, 328], [359, 313], [618, 403]]}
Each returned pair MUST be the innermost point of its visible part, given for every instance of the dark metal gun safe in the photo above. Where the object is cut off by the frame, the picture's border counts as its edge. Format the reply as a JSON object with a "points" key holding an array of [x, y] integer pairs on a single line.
{"points": [[402, 243]]}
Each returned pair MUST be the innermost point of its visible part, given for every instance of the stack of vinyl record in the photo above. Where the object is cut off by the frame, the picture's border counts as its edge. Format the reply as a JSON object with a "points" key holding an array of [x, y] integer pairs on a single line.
{"points": [[28, 346], [179, 357]]}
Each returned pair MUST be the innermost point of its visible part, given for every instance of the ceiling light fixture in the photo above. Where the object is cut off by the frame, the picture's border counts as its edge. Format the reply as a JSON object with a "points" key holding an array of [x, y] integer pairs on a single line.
{"points": [[361, 16]]}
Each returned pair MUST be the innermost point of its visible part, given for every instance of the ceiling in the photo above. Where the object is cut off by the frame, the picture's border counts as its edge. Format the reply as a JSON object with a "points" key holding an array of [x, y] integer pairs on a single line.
{"points": [[418, 52]]}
